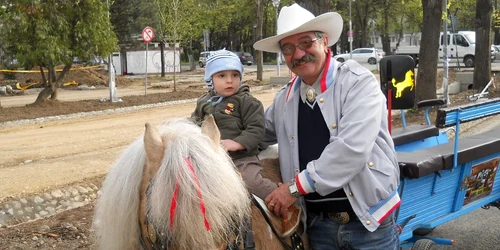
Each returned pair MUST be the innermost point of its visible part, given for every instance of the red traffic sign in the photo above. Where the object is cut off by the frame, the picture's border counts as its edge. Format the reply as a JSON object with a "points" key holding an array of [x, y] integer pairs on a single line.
{"points": [[148, 34], [350, 33]]}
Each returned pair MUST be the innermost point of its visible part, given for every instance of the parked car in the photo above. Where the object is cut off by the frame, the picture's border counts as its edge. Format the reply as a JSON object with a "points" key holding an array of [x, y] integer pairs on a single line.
{"points": [[362, 55], [495, 52], [202, 61], [245, 58]]}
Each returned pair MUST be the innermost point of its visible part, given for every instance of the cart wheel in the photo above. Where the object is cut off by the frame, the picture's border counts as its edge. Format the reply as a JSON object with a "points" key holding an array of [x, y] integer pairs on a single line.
{"points": [[423, 244], [423, 231]]}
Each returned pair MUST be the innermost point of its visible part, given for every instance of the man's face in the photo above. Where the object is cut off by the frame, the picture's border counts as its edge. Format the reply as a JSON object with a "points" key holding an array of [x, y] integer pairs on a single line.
{"points": [[307, 62]]}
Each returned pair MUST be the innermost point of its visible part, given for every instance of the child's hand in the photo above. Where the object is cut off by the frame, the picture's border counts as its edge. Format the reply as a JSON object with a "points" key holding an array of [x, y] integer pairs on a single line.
{"points": [[230, 145]]}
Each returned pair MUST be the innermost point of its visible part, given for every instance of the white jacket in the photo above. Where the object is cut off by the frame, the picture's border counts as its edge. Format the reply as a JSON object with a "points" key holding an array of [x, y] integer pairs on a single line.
{"points": [[360, 157]]}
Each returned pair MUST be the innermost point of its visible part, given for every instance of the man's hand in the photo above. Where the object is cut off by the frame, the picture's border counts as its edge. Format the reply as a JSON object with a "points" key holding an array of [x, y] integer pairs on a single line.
{"points": [[280, 200], [230, 145]]}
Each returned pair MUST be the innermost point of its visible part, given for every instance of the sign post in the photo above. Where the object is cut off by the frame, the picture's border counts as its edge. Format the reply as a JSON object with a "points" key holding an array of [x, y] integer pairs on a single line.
{"points": [[147, 36]]}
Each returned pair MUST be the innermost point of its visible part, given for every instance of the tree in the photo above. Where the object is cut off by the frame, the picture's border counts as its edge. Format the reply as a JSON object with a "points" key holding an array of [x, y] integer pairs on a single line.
{"points": [[482, 64], [316, 7], [129, 19], [49, 33], [427, 70], [258, 54], [464, 12], [388, 19], [168, 17]]}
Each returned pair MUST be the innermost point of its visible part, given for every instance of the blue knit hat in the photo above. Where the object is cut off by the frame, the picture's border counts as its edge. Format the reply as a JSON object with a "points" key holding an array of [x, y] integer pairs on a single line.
{"points": [[221, 60]]}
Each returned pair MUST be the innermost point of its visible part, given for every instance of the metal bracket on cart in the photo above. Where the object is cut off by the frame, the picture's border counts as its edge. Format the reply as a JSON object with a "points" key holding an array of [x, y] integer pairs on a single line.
{"points": [[493, 204]]}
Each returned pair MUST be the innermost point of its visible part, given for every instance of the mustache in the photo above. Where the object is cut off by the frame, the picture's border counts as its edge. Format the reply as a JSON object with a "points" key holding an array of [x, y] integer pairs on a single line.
{"points": [[306, 58]]}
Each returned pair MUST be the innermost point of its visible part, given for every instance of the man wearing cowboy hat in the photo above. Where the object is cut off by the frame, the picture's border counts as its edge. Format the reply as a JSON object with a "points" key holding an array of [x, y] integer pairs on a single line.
{"points": [[336, 155]]}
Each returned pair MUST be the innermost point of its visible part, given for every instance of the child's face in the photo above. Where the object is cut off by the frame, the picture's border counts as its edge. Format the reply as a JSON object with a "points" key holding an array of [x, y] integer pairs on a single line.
{"points": [[226, 83]]}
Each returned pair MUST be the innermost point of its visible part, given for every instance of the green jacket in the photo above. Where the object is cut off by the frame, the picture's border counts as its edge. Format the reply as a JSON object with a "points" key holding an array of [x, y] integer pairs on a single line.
{"points": [[240, 117]]}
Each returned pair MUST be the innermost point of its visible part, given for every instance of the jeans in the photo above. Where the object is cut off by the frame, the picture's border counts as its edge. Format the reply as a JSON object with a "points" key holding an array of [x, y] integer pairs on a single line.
{"points": [[325, 234]]}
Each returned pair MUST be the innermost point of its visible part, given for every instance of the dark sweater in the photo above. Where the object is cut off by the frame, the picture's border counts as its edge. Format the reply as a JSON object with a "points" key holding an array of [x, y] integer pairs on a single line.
{"points": [[314, 136]]}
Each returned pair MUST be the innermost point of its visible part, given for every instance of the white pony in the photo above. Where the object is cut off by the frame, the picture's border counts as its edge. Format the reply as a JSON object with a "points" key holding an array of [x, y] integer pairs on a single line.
{"points": [[176, 188]]}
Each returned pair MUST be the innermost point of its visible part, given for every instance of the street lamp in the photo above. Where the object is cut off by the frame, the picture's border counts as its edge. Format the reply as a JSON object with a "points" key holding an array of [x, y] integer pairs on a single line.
{"points": [[276, 4], [111, 73], [254, 33], [373, 26]]}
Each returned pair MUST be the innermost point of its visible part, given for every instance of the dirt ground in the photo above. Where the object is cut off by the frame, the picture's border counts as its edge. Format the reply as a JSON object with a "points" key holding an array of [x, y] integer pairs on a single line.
{"points": [[64, 147], [68, 230]]}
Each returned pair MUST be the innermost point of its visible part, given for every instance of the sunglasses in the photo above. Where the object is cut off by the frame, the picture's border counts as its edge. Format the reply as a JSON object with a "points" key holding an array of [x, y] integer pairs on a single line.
{"points": [[288, 49]]}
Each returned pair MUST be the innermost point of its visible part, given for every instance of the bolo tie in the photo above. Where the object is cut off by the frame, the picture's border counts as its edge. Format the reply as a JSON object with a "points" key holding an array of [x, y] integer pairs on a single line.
{"points": [[311, 97]]}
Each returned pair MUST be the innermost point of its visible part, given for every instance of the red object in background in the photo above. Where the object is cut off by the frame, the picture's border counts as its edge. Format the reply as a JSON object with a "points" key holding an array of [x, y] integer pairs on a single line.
{"points": [[389, 109]]}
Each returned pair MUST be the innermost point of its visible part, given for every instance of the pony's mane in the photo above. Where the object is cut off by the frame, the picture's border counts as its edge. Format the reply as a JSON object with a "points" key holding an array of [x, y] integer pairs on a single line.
{"points": [[223, 193]]}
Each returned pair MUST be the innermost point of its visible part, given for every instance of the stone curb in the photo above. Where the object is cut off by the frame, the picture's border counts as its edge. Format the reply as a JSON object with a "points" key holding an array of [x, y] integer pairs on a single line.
{"points": [[44, 205]]}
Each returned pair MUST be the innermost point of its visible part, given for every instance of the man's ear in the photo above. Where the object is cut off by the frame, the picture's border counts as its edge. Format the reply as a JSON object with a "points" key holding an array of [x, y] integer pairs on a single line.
{"points": [[325, 41]]}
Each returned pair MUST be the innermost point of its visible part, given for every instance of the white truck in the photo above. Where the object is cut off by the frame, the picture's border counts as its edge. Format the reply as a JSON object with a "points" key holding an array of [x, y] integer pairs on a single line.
{"points": [[463, 46]]}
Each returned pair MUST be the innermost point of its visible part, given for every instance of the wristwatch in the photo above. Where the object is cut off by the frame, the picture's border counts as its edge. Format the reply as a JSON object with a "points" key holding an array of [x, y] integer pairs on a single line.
{"points": [[294, 190]]}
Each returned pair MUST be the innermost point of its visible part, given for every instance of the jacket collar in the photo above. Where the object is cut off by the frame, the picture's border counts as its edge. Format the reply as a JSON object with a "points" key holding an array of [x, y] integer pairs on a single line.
{"points": [[326, 81]]}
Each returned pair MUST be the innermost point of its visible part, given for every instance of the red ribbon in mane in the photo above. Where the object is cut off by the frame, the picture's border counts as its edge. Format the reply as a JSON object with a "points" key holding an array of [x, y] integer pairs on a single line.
{"points": [[173, 205]]}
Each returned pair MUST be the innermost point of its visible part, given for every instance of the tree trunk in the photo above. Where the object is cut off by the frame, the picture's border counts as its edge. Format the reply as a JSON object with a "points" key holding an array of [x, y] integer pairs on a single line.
{"points": [[428, 54], [162, 53], [316, 7], [259, 55], [482, 62], [496, 38], [44, 80], [53, 84], [386, 42], [362, 11], [52, 73]]}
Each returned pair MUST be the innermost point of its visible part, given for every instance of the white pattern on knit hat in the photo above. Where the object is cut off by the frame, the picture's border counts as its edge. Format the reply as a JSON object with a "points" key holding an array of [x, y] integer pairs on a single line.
{"points": [[221, 60]]}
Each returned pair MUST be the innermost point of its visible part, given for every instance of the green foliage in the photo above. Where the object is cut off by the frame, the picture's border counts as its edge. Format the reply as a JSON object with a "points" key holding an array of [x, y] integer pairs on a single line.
{"points": [[52, 32], [465, 11], [414, 14], [129, 19]]}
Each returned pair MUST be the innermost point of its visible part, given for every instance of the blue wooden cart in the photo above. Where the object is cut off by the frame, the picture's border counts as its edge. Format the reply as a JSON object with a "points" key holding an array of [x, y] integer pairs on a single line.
{"points": [[440, 179]]}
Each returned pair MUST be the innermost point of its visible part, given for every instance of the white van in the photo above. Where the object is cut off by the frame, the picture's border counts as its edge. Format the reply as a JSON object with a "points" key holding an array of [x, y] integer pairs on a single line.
{"points": [[461, 45]]}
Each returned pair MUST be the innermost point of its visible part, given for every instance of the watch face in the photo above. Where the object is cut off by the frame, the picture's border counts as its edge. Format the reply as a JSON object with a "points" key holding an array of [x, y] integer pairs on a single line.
{"points": [[293, 189]]}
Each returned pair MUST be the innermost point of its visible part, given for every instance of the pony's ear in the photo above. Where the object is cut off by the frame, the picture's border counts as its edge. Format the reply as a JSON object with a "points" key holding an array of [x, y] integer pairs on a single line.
{"points": [[153, 144], [209, 128]]}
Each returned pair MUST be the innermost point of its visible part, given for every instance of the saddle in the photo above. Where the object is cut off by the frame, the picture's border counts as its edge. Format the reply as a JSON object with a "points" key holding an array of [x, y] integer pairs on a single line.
{"points": [[279, 227]]}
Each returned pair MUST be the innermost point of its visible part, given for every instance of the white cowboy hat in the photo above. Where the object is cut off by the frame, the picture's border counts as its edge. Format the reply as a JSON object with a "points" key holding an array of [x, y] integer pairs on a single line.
{"points": [[295, 19]]}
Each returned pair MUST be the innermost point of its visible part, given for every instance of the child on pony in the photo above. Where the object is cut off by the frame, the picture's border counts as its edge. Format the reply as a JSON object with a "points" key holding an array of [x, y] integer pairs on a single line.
{"points": [[240, 119]]}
